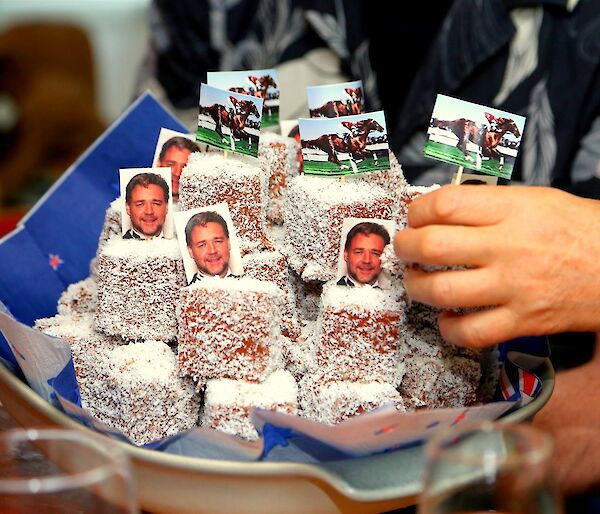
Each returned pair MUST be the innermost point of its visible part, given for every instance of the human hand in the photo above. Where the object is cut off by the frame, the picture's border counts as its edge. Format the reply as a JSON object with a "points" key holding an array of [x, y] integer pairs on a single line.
{"points": [[533, 258]]}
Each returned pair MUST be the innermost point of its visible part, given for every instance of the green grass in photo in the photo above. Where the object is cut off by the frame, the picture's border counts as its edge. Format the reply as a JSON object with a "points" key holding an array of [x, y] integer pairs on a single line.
{"points": [[270, 120], [453, 155], [329, 168], [210, 137]]}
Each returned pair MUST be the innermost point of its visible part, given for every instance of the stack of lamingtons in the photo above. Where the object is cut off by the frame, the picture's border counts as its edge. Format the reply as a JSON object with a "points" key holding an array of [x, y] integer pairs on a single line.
{"points": [[154, 357]]}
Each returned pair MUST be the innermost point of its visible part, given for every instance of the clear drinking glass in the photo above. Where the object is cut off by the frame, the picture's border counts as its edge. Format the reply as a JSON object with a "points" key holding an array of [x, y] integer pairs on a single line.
{"points": [[57, 471], [489, 467]]}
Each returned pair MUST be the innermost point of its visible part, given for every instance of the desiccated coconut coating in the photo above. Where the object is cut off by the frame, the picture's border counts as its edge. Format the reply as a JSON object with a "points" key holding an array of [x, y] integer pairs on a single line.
{"points": [[227, 403], [300, 354], [277, 155], [307, 295], [229, 328], [392, 180], [436, 382], [139, 392], [88, 347], [358, 334], [332, 401], [138, 289], [408, 195], [272, 267], [112, 223], [315, 209], [79, 298], [209, 179]]}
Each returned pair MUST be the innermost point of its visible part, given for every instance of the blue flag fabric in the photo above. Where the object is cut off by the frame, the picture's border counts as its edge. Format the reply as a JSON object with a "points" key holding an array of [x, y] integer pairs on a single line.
{"points": [[54, 244]]}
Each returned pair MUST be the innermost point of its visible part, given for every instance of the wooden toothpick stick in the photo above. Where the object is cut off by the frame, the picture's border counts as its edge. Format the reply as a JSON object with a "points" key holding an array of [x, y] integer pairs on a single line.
{"points": [[458, 175]]}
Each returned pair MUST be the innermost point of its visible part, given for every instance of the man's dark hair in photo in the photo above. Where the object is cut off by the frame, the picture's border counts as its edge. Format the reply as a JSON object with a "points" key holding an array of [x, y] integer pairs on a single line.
{"points": [[183, 143], [146, 179], [203, 218], [367, 228]]}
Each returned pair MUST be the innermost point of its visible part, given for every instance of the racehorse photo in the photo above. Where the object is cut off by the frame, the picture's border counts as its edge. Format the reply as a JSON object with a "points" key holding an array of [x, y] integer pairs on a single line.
{"points": [[359, 132], [223, 120], [344, 145], [485, 137], [238, 117], [335, 108], [474, 136], [258, 83]]}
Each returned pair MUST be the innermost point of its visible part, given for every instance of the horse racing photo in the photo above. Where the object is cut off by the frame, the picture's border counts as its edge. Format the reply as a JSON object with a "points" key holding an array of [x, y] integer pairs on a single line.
{"points": [[345, 145], [474, 136], [229, 120], [334, 100], [262, 84]]}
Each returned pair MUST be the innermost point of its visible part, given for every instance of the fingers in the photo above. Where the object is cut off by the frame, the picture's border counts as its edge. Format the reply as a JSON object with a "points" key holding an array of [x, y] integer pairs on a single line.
{"points": [[452, 289], [481, 328], [458, 205], [443, 245]]}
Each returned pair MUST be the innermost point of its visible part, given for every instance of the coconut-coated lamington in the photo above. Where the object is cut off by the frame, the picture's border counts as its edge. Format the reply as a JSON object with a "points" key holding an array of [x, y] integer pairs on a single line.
{"points": [[272, 267], [139, 392], [436, 373], [229, 328], [358, 334], [315, 209], [79, 298], [209, 179], [227, 403], [333, 401], [138, 289], [88, 347], [277, 155]]}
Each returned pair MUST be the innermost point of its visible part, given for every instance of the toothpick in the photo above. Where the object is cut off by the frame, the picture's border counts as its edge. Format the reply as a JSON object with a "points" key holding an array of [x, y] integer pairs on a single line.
{"points": [[458, 175]]}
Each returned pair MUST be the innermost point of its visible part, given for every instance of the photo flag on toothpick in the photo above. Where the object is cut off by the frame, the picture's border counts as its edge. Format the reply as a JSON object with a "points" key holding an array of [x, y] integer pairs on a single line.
{"points": [[263, 84], [345, 146], [335, 100], [474, 136], [230, 121]]}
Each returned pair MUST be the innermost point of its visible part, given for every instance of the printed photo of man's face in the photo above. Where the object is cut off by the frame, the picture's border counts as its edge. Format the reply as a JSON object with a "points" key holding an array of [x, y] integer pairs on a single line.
{"points": [[174, 154], [207, 238], [146, 203], [362, 252]]}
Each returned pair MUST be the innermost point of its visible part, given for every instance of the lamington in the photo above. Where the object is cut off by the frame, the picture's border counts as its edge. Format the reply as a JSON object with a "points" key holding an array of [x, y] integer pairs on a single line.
{"points": [[315, 209], [441, 382], [229, 328], [272, 267], [358, 334], [139, 392], [79, 298], [332, 401], [437, 374], [227, 403], [88, 347], [210, 178], [138, 289], [277, 155]]}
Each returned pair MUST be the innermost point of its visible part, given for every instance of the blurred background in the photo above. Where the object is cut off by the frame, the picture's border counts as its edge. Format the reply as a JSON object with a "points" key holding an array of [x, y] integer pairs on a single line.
{"points": [[68, 69]]}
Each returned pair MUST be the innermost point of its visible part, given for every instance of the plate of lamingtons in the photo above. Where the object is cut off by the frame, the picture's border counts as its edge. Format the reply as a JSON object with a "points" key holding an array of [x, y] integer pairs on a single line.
{"points": [[154, 357], [175, 483]]}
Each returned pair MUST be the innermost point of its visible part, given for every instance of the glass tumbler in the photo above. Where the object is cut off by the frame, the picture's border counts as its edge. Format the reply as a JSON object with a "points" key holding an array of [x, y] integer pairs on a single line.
{"points": [[487, 466], [57, 471]]}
